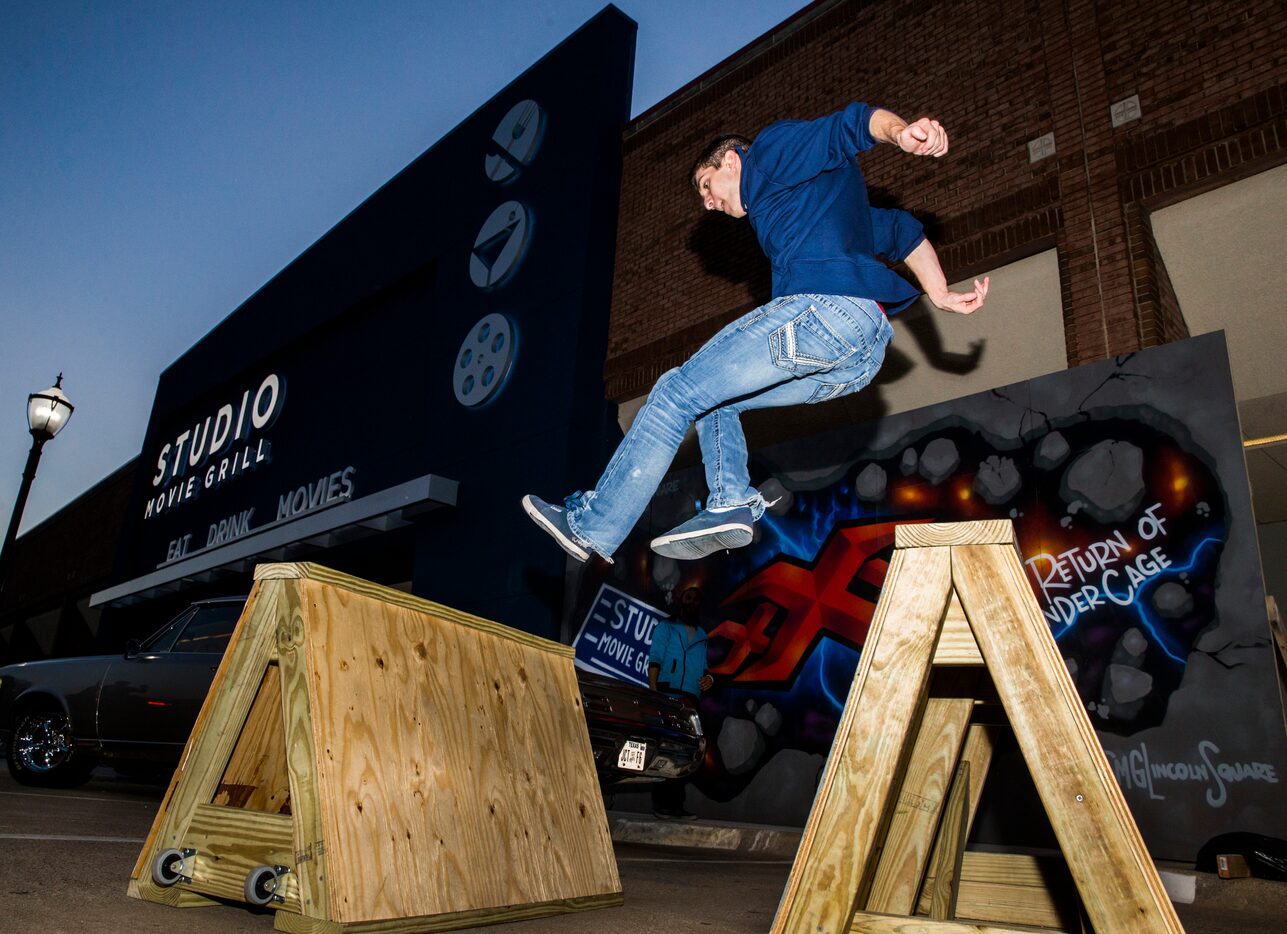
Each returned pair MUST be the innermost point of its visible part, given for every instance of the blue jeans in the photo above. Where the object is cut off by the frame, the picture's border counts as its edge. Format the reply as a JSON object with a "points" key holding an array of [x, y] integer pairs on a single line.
{"points": [[796, 349]]}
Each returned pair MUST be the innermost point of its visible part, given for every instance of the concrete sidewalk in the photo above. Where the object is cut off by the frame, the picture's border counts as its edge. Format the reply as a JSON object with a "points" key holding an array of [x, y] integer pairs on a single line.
{"points": [[755, 840], [1259, 898]]}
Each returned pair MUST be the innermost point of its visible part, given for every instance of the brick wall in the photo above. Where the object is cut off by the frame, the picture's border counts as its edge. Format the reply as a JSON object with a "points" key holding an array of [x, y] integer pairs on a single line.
{"points": [[1211, 83]]}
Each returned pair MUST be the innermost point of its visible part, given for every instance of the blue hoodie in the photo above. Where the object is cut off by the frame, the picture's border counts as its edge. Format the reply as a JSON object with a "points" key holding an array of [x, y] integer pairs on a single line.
{"points": [[805, 197]]}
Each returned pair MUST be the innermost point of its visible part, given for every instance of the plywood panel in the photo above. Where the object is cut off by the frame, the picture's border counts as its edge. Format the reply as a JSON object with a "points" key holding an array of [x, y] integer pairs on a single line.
{"points": [[870, 745], [256, 778], [400, 598], [1117, 879], [452, 764]]}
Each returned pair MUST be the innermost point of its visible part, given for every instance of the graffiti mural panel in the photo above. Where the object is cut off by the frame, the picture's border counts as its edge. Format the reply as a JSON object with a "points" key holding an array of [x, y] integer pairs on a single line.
{"points": [[1126, 483]]}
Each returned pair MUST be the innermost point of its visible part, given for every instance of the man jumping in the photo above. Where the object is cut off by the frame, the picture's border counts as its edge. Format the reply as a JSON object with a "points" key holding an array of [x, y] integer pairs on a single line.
{"points": [[822, 336]]}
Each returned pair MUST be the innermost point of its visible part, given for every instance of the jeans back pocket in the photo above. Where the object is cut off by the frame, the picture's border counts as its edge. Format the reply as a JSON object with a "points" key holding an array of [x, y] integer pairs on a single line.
{"points": [[809, 344]]}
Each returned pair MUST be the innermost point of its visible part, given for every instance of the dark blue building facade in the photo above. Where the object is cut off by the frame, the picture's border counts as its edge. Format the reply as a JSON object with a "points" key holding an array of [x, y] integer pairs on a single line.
{"points": [[382, 404]]}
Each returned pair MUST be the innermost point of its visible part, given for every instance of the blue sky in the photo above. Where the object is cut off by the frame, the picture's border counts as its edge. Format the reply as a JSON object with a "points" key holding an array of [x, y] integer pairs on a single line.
{"points": [[160, 161]]}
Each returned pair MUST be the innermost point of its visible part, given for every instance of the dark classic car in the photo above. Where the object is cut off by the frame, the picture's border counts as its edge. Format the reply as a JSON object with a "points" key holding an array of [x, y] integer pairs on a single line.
{"points": [[59, 718]]}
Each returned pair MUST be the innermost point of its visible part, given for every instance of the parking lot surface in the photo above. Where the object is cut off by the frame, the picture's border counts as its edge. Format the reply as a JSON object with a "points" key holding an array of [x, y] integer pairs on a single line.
{"points": [[67, 857]]}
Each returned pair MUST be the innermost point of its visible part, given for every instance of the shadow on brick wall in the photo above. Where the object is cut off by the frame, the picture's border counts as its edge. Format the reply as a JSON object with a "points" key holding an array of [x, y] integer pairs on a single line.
{"points": [[727, 248]]}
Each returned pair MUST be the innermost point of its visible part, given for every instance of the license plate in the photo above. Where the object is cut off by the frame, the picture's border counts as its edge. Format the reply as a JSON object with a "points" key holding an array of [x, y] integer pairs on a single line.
{"points": [[632, 756]]}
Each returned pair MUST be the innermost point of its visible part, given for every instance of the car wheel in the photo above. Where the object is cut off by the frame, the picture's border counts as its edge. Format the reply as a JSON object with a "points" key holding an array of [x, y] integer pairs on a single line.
{"points": [[41, 751]]}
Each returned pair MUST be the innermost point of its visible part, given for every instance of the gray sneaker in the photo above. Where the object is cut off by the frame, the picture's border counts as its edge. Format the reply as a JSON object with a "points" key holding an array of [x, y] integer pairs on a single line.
{"points": [[707, 532], [554, 520]]}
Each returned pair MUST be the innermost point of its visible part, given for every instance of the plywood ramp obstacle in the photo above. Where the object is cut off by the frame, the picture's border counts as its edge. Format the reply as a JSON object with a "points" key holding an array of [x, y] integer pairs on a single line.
{"points": [[958, 645], [367, 761]]}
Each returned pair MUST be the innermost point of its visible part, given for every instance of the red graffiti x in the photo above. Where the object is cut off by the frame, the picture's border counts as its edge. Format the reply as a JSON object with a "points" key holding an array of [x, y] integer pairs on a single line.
{"points": [[816, 601]]}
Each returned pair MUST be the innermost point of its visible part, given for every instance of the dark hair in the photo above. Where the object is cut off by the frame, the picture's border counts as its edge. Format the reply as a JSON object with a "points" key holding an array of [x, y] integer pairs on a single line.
{"points": [[712, 153]]}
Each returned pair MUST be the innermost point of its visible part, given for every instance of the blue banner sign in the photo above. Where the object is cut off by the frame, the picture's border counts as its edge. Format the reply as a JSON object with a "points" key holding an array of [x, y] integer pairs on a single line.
{"points": [[615, 636]]}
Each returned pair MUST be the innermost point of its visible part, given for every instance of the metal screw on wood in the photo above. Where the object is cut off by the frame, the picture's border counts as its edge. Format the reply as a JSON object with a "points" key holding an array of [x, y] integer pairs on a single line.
{"points": [[1080, 799]]}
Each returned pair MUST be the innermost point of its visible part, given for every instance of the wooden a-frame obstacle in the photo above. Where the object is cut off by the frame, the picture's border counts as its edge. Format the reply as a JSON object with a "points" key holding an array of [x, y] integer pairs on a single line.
{"points": [[883, 847], [366, 761]]}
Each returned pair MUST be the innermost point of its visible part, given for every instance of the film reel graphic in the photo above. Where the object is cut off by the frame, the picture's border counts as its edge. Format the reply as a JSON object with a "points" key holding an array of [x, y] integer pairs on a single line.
{"points": [[484, 361]]}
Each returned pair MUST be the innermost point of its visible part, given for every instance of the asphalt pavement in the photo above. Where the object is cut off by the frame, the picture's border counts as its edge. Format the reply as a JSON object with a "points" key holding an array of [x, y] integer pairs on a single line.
{"points": [[66, 857]]}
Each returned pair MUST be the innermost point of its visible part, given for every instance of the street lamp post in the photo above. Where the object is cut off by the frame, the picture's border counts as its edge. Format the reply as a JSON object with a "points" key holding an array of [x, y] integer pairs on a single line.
{"points": [[47, 412]]}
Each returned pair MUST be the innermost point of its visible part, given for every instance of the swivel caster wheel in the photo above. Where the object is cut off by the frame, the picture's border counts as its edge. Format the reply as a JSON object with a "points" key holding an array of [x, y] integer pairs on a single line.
{"points": [[168, 867], [262, 884]]}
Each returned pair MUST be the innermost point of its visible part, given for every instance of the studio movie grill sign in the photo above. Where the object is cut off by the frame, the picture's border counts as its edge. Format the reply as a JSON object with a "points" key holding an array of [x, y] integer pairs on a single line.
{"points": [[222, 446]]}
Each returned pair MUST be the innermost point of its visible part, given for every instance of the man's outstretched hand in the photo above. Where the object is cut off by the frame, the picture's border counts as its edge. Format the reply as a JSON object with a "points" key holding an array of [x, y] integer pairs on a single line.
{"points": [[962, 303], [925, 137]]}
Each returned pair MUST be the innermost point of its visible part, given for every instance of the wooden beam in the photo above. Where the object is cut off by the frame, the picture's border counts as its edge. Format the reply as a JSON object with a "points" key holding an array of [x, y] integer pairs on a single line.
{"points": [[1012, 888], [906, 852], [307, 571], [980, 742], [950, 847], [230, 842], [857, 784], [310, 864], [943, 534], [1117, 880], [865, 923], [956, 645], [209, 747]]}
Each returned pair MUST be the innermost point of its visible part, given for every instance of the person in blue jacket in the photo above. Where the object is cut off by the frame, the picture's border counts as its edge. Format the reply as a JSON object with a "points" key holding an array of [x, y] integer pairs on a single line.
{"points": [[822, 335], [677, 666]]}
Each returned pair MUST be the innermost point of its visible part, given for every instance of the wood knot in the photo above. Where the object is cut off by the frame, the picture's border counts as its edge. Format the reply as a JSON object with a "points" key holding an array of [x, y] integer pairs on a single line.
{"points": [[421, 651]]}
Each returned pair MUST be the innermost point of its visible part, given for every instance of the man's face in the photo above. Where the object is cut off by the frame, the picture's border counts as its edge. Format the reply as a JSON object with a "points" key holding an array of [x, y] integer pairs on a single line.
{"points": [[721, 188]]}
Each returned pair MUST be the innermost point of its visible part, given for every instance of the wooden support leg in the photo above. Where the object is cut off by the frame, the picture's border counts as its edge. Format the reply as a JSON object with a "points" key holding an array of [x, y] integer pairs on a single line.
{"points": [[977, 754], [301, 756], [979, 744], [861, 772], [210, 746], [950, 847], [1114, 874], [902, 864]]}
